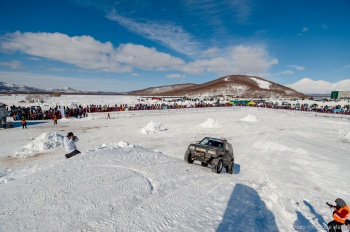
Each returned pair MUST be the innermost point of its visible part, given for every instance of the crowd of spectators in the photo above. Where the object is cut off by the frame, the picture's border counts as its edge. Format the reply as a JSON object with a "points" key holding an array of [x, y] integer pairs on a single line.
{"points": [[338, 109], [37, 113]]}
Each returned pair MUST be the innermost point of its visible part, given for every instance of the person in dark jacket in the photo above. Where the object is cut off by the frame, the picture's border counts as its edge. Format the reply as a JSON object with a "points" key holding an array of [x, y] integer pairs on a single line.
{"points": [[340, 215]]}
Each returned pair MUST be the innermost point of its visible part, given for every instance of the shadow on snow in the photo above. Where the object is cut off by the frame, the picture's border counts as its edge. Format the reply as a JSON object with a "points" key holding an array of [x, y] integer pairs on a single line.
{"points": [[246, 212], [303, 224], [237, 169]]}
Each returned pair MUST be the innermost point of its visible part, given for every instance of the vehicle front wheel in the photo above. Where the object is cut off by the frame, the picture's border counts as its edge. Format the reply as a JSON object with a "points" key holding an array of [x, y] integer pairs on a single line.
{"points": [[188, 157], [217, 166]]}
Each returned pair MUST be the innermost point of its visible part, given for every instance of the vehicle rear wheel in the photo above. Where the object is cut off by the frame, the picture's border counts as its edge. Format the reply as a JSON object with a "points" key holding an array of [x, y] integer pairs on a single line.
{"points": [[188, 157], [204, 164], [229, 168], [217, 166]]}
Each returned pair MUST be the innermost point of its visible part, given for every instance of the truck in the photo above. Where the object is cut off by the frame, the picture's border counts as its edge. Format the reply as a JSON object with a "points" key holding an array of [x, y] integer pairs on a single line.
{"points": [[340, 95], [4, 121], [216, 152]]}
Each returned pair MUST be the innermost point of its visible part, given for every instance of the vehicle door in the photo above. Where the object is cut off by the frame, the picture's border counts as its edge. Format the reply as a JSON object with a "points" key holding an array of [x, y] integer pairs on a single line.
{"points": [[226, 154]]}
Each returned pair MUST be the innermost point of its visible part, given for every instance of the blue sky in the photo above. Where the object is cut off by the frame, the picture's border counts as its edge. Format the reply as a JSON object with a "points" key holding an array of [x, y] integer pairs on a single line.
{"points": [[123, 45]]}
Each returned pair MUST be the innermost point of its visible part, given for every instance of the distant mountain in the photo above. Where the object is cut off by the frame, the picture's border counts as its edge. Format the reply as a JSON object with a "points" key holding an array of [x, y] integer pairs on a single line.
{"points": [[308, 86], [161, 89], [233, 85], [10, 88], [64, 90]]}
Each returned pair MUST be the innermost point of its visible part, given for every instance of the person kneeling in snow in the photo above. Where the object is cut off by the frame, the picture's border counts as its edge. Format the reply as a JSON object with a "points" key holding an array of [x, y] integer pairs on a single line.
{"points": [[69, 145], [340, 215]]}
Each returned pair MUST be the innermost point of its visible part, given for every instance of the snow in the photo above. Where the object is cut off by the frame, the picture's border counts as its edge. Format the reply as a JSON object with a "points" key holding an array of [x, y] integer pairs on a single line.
{"points": [[210, 123], [344, 133], [308, 86], [124, 180], [262, 84], [250, 118], [153, 128], [44, 142]]}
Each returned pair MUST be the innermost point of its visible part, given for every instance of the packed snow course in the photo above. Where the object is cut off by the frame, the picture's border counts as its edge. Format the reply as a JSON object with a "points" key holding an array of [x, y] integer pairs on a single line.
{"points": [[287, 166]]}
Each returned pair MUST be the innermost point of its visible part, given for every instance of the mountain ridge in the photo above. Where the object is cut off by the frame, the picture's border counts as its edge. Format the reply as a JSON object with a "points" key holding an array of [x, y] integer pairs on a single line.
{"points": [[231, 85], [308, 86]]}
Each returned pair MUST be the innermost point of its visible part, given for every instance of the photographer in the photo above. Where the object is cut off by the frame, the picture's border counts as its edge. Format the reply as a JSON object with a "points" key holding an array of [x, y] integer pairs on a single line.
{"points": [[69, 145], [340, 215]]}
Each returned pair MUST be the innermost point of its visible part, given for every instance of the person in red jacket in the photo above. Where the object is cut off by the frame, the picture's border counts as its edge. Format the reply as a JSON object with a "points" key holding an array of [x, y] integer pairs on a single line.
{"points": [[340, 215], [24, 123]]}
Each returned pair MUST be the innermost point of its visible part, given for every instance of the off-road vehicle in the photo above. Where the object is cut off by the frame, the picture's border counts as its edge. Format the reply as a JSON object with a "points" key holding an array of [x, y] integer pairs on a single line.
{"points": [[216, 152]]}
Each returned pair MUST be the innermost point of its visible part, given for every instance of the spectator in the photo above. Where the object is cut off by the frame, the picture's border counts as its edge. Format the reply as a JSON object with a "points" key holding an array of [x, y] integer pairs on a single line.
{"points": [[340, 214], [69, 145], [24, 123]]}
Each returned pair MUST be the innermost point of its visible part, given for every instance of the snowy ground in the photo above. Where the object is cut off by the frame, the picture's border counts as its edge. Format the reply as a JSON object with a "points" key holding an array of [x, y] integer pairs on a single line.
{"points": [[131, 175]]}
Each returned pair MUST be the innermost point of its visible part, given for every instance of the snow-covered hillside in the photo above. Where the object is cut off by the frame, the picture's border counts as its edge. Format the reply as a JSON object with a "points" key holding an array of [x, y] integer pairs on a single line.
{"points": [[126, 180], [308, 86]]}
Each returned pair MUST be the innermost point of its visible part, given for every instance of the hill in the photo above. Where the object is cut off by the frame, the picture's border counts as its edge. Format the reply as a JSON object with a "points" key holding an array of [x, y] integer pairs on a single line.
{"points": [[161, 89], [233, 85], [320, 87]]}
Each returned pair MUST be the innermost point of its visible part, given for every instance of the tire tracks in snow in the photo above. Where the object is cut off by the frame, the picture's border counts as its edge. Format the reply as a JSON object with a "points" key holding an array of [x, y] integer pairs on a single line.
{"points": [[180, 199], [27, 203]]}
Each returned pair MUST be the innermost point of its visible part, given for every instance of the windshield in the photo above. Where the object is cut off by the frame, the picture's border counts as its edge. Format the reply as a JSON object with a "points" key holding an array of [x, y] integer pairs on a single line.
{"points": [[212, 142]]}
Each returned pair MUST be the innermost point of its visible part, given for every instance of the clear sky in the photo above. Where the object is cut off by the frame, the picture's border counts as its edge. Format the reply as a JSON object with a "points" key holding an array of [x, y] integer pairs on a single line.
{"points": [[122, 45]]}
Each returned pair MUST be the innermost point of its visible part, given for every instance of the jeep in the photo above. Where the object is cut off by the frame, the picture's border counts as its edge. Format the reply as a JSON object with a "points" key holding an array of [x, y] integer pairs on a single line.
{"points": [[216, 152]]}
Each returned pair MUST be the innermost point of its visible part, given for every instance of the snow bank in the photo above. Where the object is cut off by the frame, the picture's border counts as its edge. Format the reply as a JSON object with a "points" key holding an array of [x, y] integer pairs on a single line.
{"points": [[153, 128], [210, 123], [46, 141], [250, 118]]}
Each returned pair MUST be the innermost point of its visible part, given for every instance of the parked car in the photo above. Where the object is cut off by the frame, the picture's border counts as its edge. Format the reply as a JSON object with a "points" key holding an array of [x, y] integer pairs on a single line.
{"points": [[6, 122], [337, 109]]}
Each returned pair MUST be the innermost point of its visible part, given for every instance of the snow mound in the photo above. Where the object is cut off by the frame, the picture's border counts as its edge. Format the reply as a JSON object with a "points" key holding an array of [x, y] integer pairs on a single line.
{"points": [[120, 144], [210, 123], [250, 118], [124, 144], [46, 141], [153, 128]]}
